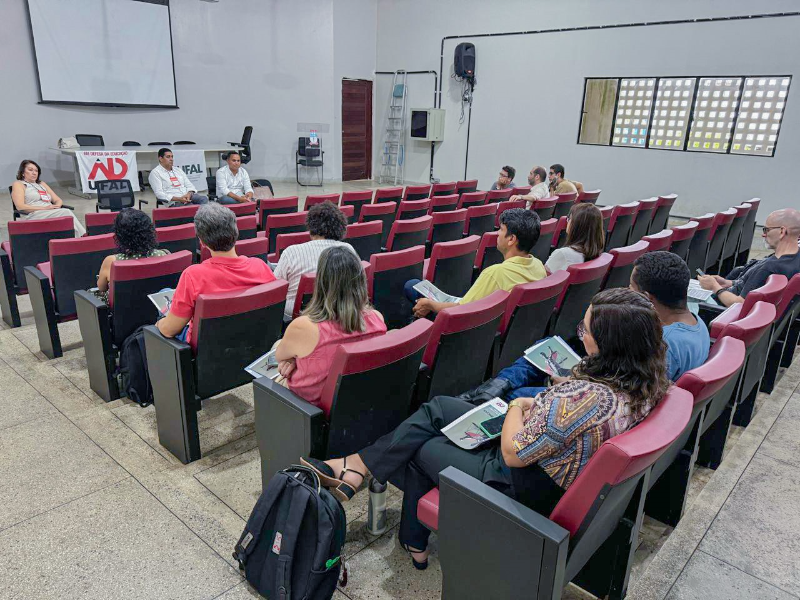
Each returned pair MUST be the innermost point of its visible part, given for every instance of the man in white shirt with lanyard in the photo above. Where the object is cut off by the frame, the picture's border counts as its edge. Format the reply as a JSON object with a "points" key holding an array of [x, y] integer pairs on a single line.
{"points": [[233, 182], [171, 185]]}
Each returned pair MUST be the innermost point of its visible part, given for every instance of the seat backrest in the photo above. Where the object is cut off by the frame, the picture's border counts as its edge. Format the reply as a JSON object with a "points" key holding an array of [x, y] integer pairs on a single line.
{"points": [[731, 246], [443, 202], [498, 195], [641, 224], [698, 247], [255, 247], [450, 265], [284, 223], [661, 214], [245, 323], [131, 281], [480, 218], [682, 238], [387, 278], [247, 226], [275, 206], [243, 209], [467, 186], [416, 192], [619, 274], [100, 223], [488, 254], [790, 295], [179, 215], [589, 196], [408, 233], [412, 209], [383, 212], [131, 143], [520, 190], [284, 240], [365, 238], [390, 194], [658, 241], [584, 282], [559, 237], [305, 289], [749, 225], [177, 238], [159, 143], [771, 292], [543, 246], [313, 199], [29, 242], [469, 199], [356, 199], [184, 143], [75, 264], [717, 236], [447, 226], [368, 390], [564, 203], [607, 212], [89, 139], [114, 194], [473, 326], [606, 489], [507, 205], [246, 135], [443, 189], [545, 208], [211, 183], [527, 313], [619, 227]]}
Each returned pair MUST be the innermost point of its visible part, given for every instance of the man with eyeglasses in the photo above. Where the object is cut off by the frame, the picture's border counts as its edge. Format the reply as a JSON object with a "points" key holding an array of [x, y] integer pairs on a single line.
{"points": [[505, 178], [560, 185], [779, 233]]}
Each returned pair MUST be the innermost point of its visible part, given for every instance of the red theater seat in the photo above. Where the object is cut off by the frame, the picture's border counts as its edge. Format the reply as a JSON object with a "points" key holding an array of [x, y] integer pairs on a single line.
{"points": [[564, 204], [717, 238], [450, 266], [467, 186], [100, 223], [275, 206], [383, 212], [488, 254], [365, 238], [444, 189], [356, 199], [313, 199], [619, 227], [544, 245], [661, 214], [748, 228], [443, 203], [589, 196], [177, 238], [698, 247], [470, 199], [392, 194], [520, 190], [619, 274], [408, 233], [386, 282], [416, 192], [498, 195], [247, 226], [504, 206], [413, 209], [283, 241], [243, 209], [480, 219], [682, 238], [641, 223], [447, 226], [179, 215], [730, 248], [660, 241], [283, 223], [545, 208], [585, 280]]}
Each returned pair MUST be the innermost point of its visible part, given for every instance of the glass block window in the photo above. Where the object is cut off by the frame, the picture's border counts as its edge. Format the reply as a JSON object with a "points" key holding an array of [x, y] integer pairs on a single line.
{"points": [[715, 107], [760, 114], [633, 112], [672, 106]]}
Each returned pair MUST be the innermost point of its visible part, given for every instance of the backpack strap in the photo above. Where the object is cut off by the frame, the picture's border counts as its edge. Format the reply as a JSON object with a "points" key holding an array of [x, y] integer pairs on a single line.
{"points": [[255, 523], [300, 497]]}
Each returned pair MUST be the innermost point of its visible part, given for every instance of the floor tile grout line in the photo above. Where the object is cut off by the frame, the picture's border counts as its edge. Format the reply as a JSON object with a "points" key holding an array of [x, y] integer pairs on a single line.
{"points": [[769, 583], [210, 491], [228, 590]]}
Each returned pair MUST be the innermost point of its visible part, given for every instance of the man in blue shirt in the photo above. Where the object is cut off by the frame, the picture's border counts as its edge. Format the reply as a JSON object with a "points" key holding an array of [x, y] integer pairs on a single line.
{"points": [[664, 278]]}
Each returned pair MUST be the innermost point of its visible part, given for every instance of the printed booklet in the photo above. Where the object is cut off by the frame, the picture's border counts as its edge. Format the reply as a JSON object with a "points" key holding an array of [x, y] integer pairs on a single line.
{"points": [[162, 300], [264, 366], [553, 356], [469, 431], [431, 292], [697, 293]]}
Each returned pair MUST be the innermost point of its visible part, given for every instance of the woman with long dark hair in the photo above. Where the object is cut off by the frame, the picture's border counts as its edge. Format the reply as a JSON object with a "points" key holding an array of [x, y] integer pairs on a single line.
{"points": [[552, 435], [34, 199], [585, 238]]}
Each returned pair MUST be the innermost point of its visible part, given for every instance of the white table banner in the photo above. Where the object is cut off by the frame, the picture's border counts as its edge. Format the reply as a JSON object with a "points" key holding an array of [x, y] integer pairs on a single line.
{"points": [[193, 163], [107, 165]]}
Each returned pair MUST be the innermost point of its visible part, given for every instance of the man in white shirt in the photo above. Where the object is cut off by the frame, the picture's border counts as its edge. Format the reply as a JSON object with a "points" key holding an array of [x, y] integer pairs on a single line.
{"points": [[233, 182], [537, 179], [327, 226], [171, 185]]}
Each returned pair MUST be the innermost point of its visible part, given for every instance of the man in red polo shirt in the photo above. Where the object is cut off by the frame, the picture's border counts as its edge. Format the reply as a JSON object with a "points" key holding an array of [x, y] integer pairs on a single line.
{"points": [[223, 272]]}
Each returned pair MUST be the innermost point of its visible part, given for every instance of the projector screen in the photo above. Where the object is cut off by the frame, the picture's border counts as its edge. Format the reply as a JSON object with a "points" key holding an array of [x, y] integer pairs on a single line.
{"points": [[106, 52]]}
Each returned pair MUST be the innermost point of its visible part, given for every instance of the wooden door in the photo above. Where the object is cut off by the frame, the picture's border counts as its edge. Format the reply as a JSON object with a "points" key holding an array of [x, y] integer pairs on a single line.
{"points": [[356, 129]]}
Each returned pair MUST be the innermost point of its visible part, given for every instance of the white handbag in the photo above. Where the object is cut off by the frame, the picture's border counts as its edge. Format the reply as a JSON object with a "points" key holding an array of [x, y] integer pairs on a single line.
{"points": [[68, 142]]}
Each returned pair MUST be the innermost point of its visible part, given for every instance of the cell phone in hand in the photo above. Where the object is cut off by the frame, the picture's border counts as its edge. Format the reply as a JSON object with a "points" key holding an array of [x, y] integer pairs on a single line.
{"points": [[700, 272], [493, 427]]}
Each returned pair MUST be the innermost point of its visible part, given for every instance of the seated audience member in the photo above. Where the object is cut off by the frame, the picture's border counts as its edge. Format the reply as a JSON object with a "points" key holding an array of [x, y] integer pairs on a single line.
{"points": [[519, 231], [537, 179], [35, 200], [780, 234], [171, 185], [664, 278], [585, 238], [135, 237], [552, 435], [506, 179], [223, 272], [327, 226], [559, 185], [339, 312], [233, 182]]}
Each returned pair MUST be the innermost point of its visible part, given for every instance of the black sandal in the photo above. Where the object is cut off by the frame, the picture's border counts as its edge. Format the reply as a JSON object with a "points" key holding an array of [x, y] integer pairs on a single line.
{"points": [[419, 566], [342, 490]]}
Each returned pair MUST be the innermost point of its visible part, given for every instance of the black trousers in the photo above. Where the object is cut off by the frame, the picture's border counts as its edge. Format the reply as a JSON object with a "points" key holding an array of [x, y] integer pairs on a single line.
{"points": [[419, 447]]}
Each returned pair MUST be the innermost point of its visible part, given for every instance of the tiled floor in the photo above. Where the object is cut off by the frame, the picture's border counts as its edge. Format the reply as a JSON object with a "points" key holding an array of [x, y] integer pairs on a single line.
{"points": [[91, 506]]}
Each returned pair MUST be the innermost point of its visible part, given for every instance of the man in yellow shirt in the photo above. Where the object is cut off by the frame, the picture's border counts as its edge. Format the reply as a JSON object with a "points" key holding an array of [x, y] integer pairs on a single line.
{"points": [[559, 185], [519, 232]]}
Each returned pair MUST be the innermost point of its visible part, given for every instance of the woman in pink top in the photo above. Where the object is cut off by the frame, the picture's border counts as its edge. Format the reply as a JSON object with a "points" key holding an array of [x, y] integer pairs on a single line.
{"points": [[339, 312]]}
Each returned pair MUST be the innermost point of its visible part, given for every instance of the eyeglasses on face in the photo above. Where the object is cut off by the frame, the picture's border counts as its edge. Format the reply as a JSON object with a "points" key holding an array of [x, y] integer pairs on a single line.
{"points": [[503, 175], [765, 230]]}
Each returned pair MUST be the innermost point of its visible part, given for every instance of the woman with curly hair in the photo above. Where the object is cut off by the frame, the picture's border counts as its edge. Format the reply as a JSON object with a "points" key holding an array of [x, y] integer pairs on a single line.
{"points": [[552, 435], [135, 236]]}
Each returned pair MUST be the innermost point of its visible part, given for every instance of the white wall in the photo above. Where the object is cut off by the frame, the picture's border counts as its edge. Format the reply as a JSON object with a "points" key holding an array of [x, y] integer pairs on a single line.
{"points": [[528, 97], [265, 63]]}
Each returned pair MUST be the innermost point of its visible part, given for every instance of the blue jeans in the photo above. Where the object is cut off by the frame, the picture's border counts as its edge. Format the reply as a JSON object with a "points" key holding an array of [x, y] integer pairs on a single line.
{"points": [[227, 200], [196, 199], [525, 379], [411, 294]]}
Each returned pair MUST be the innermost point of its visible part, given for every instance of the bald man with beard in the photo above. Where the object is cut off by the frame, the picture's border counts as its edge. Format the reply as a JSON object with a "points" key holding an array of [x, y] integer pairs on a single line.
{"points": [[780, 233]]}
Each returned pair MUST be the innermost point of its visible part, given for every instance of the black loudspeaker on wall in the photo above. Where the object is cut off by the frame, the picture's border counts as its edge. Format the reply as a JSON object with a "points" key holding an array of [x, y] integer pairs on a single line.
{"points": [[464, 60]]}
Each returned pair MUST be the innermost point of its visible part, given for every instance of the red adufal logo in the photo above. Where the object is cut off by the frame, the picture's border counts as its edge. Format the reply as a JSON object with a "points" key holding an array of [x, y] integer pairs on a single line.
{"points": [[112, 169]]}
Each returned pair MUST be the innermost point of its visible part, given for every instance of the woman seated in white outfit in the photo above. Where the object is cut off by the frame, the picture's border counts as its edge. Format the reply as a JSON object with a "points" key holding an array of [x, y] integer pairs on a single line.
{"points": [[585, 238], [34, 198]]}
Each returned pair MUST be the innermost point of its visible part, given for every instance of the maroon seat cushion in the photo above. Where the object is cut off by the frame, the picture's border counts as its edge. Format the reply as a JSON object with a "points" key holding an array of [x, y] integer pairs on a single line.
{"points": [[428, 509]]}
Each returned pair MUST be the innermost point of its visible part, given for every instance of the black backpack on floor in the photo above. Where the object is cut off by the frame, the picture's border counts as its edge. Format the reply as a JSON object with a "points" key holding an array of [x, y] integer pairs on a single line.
{"points": [[291, 547], [134, 378]]}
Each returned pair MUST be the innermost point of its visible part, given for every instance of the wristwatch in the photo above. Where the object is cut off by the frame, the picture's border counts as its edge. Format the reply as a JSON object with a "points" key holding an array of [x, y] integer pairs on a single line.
{"points": [[517, 404], [716, 294]]}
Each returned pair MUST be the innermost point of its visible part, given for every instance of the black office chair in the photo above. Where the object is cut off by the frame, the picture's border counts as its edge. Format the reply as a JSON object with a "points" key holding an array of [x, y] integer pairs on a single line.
{"points": [[131, 143], [184, 143], [115, 195], [89, 139], [309, 156], [244, 145], [211, 182], [160, 144], [142, 183]]}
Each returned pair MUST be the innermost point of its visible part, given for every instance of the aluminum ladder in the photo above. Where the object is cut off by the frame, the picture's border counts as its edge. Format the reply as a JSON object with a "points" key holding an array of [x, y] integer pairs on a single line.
{"points": [[393, 158]]}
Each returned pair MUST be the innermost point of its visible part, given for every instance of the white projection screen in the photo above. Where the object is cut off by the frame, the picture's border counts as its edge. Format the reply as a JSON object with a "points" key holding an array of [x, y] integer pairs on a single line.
{"points": [[106, 52]]}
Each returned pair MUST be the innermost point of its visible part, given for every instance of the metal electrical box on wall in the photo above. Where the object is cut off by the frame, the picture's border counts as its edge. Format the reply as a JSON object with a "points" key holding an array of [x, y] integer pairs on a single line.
{"points": [[427, 124]]}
